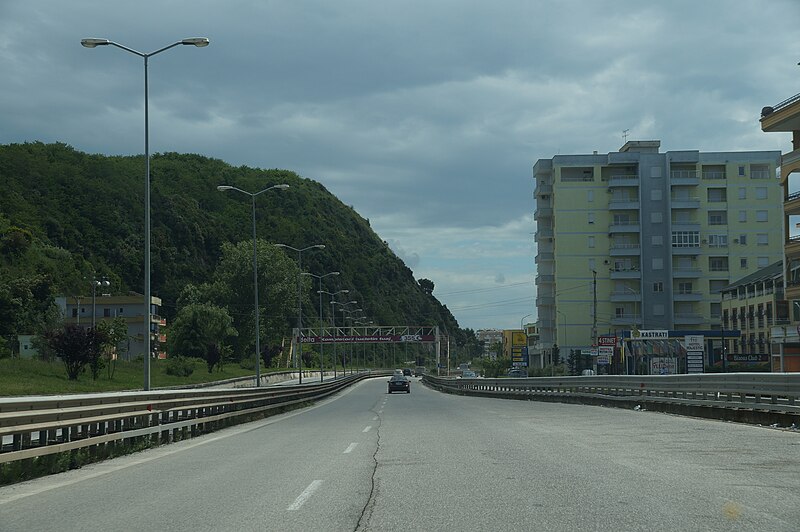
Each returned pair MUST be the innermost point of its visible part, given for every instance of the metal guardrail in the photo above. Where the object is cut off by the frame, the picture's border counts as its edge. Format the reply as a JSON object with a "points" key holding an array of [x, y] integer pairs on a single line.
{"points": [[38, 426], [715, 395]]}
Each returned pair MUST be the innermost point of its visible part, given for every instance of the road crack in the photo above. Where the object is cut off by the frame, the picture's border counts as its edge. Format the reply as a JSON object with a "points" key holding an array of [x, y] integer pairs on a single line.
{"points": [[366, 512]]}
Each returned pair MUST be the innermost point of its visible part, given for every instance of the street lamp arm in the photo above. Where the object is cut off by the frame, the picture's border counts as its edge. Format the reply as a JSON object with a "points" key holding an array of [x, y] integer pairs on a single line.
{"points": [[199, 42]]}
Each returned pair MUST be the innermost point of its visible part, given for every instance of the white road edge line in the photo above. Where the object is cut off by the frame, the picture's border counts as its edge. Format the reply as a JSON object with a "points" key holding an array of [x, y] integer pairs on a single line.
{"points": [[367, 429], [47, 483], [308, 492], [350, 448]]}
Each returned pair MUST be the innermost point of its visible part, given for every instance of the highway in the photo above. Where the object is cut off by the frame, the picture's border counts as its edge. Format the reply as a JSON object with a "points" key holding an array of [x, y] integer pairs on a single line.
{"points": [[365, 460]]}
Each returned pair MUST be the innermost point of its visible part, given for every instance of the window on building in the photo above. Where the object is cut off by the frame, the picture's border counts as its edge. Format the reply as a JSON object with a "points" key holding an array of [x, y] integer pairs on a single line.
{"points": [[106, 312], [658, 310], [743, 240], [742, 192], [762, 239], [655, 171], [658, 286], [658, 263], [762, 262], [657, 240], [761, 192], [656, 217], [718, 264], [591, 264], [686, 239], [75, 313], [121, 309], [716, 310], [685, 287], [718, 241], [655, 194], [742, 216], [717, 217], [590, 196], [761, 216], [591, 217], [741, 171], [591, 242], [717, 195], [743, 263]]}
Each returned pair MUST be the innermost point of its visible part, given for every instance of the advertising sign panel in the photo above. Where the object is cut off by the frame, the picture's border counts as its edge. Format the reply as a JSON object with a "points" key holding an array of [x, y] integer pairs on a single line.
{"points": [[663, 366]]}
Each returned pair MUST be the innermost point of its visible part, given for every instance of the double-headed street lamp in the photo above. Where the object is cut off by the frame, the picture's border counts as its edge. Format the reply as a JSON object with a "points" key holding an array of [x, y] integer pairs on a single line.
{"points": [[350, 311], [199, 42], [319, 279], [333, 323], [333, 313], [95, 284], [298, 358], [225, 188]]}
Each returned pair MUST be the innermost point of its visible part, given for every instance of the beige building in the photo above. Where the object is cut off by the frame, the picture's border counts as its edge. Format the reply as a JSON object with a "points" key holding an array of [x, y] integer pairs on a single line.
{"points": [[785, 118], [754, 305], [81, 310]]}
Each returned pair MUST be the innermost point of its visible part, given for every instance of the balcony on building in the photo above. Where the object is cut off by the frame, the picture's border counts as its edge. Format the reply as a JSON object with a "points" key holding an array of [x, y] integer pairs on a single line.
{"points": [[544, 257], [545, 301], [542, 190], [684, 202], [686, 272], [625, 273], [628, 319], [688, 318], [617, 203], [624, 226], [692, 251], [792, 246], [543, 233], [542, 213], [625, 175], [791, 203], [684, 176], [545, 279], [686, 295], [623, 249], [624, 295], [713, 172]]}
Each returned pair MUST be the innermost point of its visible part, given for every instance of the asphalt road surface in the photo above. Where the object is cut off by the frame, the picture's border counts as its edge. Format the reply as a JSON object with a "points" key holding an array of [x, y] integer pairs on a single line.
{"points": [[365, 460]]}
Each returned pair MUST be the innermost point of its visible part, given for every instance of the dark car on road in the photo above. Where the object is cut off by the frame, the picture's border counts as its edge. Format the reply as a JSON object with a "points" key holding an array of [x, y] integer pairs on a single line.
{"points": [[407, 372], [399, 383]]}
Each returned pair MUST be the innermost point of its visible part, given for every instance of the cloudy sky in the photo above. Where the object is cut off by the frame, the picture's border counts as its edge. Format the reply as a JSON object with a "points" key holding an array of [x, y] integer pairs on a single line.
{"points": [[425, 116]]}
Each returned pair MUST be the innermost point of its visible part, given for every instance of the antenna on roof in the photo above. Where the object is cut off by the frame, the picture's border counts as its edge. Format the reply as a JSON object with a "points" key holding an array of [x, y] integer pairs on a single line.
{"points": [[625, 135]]}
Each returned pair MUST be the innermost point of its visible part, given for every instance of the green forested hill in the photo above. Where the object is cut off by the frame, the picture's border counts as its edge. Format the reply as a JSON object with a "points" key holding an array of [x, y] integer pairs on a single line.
{"points": [[65, 215]]}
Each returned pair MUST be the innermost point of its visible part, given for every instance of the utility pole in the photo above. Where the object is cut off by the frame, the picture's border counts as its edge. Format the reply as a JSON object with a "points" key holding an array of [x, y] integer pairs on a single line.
{"points": [[594, 309]]}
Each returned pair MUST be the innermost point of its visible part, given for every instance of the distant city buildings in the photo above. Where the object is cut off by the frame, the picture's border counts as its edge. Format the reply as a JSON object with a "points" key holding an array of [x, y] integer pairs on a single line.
{"points": [[489, 337]]}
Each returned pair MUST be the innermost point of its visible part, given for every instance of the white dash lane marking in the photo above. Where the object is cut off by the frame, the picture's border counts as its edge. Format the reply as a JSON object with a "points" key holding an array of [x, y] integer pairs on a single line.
{"points": [[367, 429], [375, 418], [350, 448], [308, 492]]}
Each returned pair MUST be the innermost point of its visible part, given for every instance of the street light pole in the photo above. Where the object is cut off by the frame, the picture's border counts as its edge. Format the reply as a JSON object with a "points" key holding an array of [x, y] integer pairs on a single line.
{"points": [[319, 279], [95, 283], [298, 356], [333, 323], [224, 188], [199, 42]]}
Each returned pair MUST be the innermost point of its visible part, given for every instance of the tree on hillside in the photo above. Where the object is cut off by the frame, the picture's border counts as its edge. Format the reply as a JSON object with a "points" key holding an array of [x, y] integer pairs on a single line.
{"points": [[232, 288], [198, 327], [426, 285]]}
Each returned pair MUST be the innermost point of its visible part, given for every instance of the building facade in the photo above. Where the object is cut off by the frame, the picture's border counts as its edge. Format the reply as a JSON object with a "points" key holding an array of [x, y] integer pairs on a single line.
{"points": [[754, 305], [80, 310], [640, 239], [785, 118], [489, 337]]}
